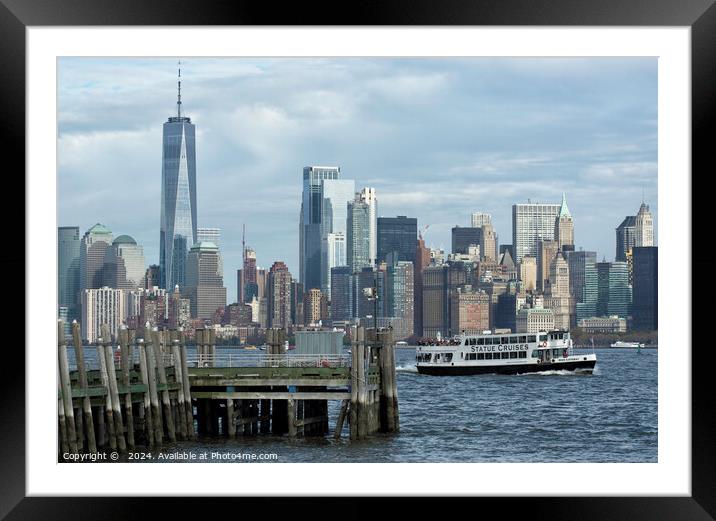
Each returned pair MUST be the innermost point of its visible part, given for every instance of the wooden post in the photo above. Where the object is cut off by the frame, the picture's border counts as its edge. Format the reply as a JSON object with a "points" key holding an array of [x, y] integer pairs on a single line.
{"points": [[291, 409], [341, 418], [144, 372], [82, 377], [265, 416], [393, 383], [64, 445], [353, 417], [113, 389], [178, 375], [153, 395], [166, 405], [230, 418], [362, 395], [66, 387], [186, 388], [126, 357], [108, 410]]}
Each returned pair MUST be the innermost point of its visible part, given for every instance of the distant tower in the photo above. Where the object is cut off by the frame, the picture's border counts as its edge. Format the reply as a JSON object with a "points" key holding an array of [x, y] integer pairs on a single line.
{"points": [[93, 248], [178, 231], [644, 227], [564, 226]]}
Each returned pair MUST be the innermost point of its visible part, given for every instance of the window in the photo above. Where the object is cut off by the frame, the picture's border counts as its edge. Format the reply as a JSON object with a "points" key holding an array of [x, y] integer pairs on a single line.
{"points": [[542, 338], [555, 352], [532, 338], [473, 341], [488, 356], [513, 339], [495, 340], [481, 341], [505, 355], [505, 340], [448, 357], [513, 354], [523, 354], [523, 340], [480, 356]]}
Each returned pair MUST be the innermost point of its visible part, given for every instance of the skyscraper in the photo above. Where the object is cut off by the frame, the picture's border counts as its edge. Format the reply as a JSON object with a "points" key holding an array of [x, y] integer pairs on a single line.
{"points": [[341, 294], [625, 237], [564, 227], [93, 248], [177, 231], [68, 271], [463, 238], [635, 230], [479, 219], [583, 283], [613, 290], [102, 306], [532, 222], [397, 235], [546, 251], [323, 211], [368, 196], [646, 288], [334, 254], [204, 281], [358, 235], [279, 296], [124, 264], [557, 296]]}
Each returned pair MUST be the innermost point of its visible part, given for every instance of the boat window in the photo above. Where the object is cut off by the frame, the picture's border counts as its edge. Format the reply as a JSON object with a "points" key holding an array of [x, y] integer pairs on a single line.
{"points": [[481, 341], [523, 340], [488, 356], [473, 341], [532, 338], [513, 339], [495, 340], [505, 355], [505, 340], [542, 338], [555, 352], [448, 357], [480, 356], [523, 354], [513, 354]]}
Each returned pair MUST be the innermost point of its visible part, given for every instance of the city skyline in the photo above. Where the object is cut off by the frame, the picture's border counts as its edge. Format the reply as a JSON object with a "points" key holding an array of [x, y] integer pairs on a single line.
{"points": [[252, 174]]}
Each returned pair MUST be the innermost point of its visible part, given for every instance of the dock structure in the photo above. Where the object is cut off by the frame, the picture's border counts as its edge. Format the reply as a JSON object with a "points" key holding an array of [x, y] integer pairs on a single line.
{"points": [[148, 389]]}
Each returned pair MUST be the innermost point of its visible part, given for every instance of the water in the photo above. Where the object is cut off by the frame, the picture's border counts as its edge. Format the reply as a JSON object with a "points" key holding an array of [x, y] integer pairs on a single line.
{"points": [[609, 416]]}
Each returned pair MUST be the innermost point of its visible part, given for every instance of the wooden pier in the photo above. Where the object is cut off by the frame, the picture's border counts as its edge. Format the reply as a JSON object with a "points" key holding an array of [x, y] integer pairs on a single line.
{"points": [[148, 390]]}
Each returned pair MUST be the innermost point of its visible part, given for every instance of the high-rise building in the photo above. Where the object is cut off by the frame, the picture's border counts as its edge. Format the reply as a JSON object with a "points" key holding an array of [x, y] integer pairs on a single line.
{"points": [[209, 235], [152, 276], [179, 310], [248, 285], [297, 296], [463, 238], [488, 242], [93, 248], [315, 307], [557, 295], [279, 296], [532, 222], [400, 296], [364, 283], [439, 284], [204, 281], [582, 284], [626, 232], [368, 196], [528, 273], [334, 251], [341, 294], [480, 219], [323, 211], [645, 309], [101, 306], [124, 264], [177, 227], [613, 290], [358, 235], [470, 313], [635, 230], [546, 252], [564, 227], [397, 235], [422, 261], [68, 272]]}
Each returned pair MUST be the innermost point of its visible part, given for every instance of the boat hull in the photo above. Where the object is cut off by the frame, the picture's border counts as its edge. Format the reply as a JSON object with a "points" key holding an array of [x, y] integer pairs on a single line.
{"points": [[466, 370]]}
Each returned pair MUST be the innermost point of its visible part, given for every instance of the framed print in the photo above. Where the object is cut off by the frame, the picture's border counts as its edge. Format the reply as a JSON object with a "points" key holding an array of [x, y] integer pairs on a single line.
{"points": [[391, 259]]}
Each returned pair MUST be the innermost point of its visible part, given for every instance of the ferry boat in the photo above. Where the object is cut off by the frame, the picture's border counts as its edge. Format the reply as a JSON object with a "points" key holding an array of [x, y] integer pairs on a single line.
{"points": [[619, 343], [514, 353]]}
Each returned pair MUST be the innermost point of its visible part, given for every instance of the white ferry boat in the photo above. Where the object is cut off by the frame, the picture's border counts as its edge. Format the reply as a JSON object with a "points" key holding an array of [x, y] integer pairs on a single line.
{"points": [[503, 354], [619, 343]]}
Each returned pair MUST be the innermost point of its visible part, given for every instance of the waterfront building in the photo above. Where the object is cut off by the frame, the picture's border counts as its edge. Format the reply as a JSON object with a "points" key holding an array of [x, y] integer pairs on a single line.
{"points": [[342, 297], [124, 264], [323, 211], [68, 272], [564, 227], [613, 291], [532, 222], [546, 252], [177, 227], [470, 313], [645, 310], [204, 281], [463, 238], [613, 324], [358, 235], [528, 273], [582, 284], [93, 248], [279, 296], [397, 235], [101, 306], [534, 320]]}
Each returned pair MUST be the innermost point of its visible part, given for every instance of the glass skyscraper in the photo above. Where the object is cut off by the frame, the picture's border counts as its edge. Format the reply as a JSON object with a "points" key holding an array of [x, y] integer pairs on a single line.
{"points": [[532, 222], [178, 207], [613, 290], [68, 271], [323, 211], [397, 235]]}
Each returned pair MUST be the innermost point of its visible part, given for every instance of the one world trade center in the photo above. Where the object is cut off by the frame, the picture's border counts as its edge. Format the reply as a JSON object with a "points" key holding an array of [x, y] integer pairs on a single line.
{"points": [[178, 212]]}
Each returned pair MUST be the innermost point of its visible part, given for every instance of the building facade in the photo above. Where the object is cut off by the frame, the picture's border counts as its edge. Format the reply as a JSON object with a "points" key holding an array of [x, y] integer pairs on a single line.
{"points": [[93, 249], [124, 265], [534, 320], [463, 238], [528, 273], [279, 296], [564, 227], [102, 306], [645, 309], [204, 281], [358, 247], [532, 222], [397, 235], [613, 290], [470, 313], [68, 272]]}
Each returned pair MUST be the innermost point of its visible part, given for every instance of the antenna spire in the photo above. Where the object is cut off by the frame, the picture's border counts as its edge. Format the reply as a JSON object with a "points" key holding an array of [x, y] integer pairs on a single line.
{"points": [[179, 89]]}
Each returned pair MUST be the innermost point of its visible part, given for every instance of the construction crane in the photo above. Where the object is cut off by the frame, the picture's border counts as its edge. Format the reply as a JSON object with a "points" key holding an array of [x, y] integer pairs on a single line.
{"points": [[421, 233]]}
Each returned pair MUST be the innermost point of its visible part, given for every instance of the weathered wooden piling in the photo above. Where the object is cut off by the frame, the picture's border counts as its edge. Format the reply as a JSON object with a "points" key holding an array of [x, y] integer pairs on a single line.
{"points": [[166, 404], [106, 346], [146, 397], [180, 416], [109, 424], [186, 388], [64, 444], [153, 393], [66, 387], [82, 381]]}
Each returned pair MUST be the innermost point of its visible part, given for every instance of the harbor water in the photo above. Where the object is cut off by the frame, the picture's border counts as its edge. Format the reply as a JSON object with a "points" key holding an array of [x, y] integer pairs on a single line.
{"points": [[608, 416]]}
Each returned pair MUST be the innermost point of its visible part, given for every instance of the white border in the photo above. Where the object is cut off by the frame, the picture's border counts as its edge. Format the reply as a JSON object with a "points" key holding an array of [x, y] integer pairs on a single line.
{"points": [[671, 475]]}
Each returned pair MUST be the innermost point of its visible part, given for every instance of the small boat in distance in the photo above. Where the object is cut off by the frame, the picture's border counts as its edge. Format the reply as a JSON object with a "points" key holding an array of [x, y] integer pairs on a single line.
{"points": [[619, 343], [250, 347], [401, 343]]}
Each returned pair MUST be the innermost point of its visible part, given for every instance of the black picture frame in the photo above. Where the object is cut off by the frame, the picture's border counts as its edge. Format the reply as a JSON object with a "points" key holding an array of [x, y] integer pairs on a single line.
{"points": [[699, 15]]}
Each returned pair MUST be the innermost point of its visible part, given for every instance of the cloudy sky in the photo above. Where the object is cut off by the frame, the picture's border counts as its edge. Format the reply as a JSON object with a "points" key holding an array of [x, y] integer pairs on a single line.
{"points": [[438, 138]]}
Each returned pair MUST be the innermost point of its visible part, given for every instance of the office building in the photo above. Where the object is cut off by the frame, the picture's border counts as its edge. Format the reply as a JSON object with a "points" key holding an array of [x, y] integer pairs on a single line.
{"points": [[582, 284], [613, 291], [68, 272], [397, 235], [204, 281], [422, 261], [613, 324], [470, 313], [315, 307], [358, 235], [279, 296], [532, 222], [124, 264], [463, 238], [546, 252], [400, 295], [335, 254], [528, 273], [101, 306], [557, 295], [342, 297], [93, 249], [480, 219], [177, 228], [645, 310], [534, 320], [635, 230], [564, 227]]}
